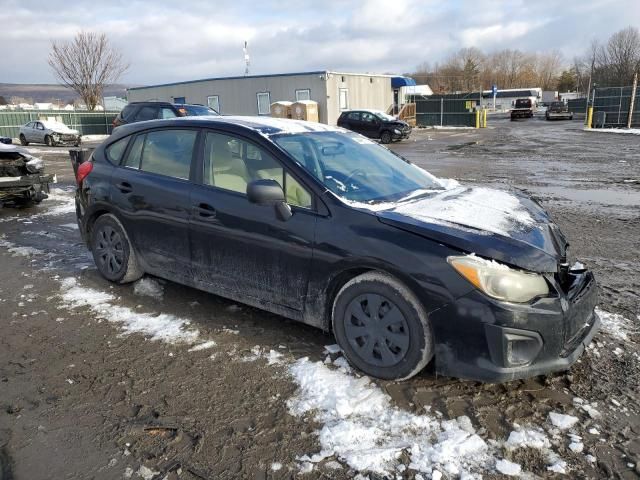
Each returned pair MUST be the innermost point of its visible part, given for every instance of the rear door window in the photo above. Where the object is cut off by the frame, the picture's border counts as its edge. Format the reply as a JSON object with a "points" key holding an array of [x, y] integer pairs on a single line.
{"points": [[115, 150], [168, 152], [146, 113], [132, 159]]}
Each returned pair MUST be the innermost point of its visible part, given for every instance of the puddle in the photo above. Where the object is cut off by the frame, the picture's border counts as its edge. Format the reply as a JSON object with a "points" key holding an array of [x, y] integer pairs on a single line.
{"points": [[598, 195]]}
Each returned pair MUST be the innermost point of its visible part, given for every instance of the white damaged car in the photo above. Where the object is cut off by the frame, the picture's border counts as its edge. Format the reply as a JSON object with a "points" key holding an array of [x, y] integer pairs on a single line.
{"points": [[49, 132]]}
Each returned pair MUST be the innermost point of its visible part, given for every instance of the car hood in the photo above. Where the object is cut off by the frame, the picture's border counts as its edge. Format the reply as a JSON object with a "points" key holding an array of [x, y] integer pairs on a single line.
{"points": [[503, 225]]}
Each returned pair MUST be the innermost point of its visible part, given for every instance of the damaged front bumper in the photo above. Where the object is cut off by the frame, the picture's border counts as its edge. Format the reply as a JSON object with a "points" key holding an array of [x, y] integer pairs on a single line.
{"points": [[494, 341]]}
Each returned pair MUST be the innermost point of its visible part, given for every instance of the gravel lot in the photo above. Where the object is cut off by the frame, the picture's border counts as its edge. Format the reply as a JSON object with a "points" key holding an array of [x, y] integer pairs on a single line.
{"points": [[84, 394]]}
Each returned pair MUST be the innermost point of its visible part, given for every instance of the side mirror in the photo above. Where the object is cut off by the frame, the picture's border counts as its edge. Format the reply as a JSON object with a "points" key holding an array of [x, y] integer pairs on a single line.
{"points": [[268, 192]]}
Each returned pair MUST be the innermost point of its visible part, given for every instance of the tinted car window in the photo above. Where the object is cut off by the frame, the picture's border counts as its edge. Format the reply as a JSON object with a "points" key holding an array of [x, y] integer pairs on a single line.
{"points": [[127, 112], [168, 152], [115, 150], [146, 113], [368, 117], [353, 116]]}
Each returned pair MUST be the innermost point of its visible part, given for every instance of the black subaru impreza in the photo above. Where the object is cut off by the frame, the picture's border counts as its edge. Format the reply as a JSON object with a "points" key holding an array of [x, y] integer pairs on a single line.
{"points": [[325, 226]]}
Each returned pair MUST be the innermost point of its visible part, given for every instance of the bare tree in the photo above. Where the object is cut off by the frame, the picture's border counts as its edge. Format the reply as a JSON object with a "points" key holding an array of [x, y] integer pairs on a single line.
{"points": [[87, 64], [623, 54]]}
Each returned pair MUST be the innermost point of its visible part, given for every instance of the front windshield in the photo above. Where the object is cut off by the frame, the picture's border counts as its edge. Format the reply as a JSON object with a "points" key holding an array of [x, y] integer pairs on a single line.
{"points": [[356, 168]]}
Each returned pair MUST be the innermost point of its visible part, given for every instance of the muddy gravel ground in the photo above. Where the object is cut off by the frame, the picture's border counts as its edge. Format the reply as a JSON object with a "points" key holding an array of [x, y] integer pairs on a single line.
{"points": [[86, 393]]}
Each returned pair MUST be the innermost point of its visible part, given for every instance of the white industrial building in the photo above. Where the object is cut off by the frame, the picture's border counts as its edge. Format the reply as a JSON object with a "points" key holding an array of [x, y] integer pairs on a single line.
{"points": [[253, 95]]}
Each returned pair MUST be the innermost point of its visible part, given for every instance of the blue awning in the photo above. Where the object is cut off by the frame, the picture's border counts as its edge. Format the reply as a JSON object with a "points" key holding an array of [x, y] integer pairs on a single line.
{"points": [[397, 82]]}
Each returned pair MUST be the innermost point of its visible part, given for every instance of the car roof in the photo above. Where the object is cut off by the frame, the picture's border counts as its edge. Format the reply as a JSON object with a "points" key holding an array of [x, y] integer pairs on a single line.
{"points": [[261, 125]]}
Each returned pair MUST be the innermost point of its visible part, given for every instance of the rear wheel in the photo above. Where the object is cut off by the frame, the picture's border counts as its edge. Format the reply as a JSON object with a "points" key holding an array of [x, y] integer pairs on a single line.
{"points": [[23, 140], [382, 327], [112, 251], [386, 137]]}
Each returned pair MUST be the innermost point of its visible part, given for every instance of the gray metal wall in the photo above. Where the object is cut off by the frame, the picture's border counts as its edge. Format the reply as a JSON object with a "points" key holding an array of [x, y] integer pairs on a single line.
{"points": [[365, 91], [238, 95]]}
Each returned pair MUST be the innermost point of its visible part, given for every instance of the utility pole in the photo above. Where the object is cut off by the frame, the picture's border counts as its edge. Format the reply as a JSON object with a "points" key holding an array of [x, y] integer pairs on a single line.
{"points": [[246, 58], [633, 99]]}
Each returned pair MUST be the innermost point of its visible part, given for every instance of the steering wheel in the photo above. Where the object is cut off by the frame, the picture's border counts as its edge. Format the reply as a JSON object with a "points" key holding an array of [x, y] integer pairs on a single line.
{"points": [[353, 174]]}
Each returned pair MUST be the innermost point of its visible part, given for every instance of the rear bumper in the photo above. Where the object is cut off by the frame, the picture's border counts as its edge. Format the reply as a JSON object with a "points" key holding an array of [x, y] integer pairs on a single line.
{"points": [[490, 341], [521, 113]]}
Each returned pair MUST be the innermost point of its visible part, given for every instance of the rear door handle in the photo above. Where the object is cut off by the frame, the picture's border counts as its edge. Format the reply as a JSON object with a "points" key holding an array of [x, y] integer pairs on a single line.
{"points": [[125, 187], [204, 210]]}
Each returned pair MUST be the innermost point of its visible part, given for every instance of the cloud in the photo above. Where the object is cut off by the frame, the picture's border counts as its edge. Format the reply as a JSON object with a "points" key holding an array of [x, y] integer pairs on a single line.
{"points": [[166, 41]]}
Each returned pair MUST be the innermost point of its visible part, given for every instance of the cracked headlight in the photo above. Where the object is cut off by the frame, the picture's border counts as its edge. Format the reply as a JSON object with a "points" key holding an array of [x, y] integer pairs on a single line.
{"points": [[499, 281]]}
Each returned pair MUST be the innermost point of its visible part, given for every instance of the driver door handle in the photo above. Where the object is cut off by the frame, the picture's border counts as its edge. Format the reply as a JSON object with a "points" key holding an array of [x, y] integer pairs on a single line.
{"points": [[204, 210]]}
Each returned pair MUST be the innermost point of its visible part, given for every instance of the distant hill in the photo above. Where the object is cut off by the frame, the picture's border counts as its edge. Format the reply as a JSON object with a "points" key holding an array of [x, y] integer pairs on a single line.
{"points": [[50, 93]]}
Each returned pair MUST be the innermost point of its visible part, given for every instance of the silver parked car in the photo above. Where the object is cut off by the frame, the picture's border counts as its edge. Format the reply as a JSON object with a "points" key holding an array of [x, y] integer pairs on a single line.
{"points": [[50, 133]]}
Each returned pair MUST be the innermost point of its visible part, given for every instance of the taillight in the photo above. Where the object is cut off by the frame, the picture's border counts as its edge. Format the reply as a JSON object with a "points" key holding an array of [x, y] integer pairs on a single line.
{"points": [[84, 169]]}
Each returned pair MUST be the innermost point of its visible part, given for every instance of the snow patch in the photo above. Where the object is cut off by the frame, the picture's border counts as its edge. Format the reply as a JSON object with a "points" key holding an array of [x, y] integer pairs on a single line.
{"points": [[508, 468], [24, 251], [628, 131], [363, 428], [616, 325], [562, 421], [165, 327], [149, 287], [528, 438], [203, 346]]}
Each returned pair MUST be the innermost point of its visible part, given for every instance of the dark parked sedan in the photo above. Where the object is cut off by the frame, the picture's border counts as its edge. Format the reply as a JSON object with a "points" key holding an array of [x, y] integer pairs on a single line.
{"points": [[375, 124], [327, 227]]}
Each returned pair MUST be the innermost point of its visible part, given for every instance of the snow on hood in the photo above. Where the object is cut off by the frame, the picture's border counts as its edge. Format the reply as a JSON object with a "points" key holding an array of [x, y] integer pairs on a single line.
{"points": [[487, 209], [58, 127]]}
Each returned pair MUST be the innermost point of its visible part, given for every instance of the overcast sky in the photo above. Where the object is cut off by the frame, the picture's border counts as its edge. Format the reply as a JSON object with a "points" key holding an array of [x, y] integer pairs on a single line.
{"points": [[167, 41]]}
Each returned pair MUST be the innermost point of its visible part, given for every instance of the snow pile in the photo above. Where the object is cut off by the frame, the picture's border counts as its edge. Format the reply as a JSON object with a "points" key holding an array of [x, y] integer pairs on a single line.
{"points": [[562, 421], [616, 325], [165, 327], [149, 287], [361, 427], [508, 468], [629, 131], [487, 209]]}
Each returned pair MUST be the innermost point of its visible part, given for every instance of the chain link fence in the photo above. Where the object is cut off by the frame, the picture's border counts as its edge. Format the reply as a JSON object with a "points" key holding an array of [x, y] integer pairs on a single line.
{"points": [[87, 123], [445, 110], [611, 107]]}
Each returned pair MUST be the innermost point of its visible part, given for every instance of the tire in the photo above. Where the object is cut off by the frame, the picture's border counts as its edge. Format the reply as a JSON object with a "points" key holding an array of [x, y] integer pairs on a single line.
{"points": [[386, 137], [112, 251], [23, 140], [393, 350], [49, 141]]}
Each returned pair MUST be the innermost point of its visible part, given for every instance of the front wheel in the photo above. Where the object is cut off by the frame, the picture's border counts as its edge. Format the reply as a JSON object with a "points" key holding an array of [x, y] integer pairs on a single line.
{"points": [[48, 140], [386, 137], [112, 251], [382, 327]]}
